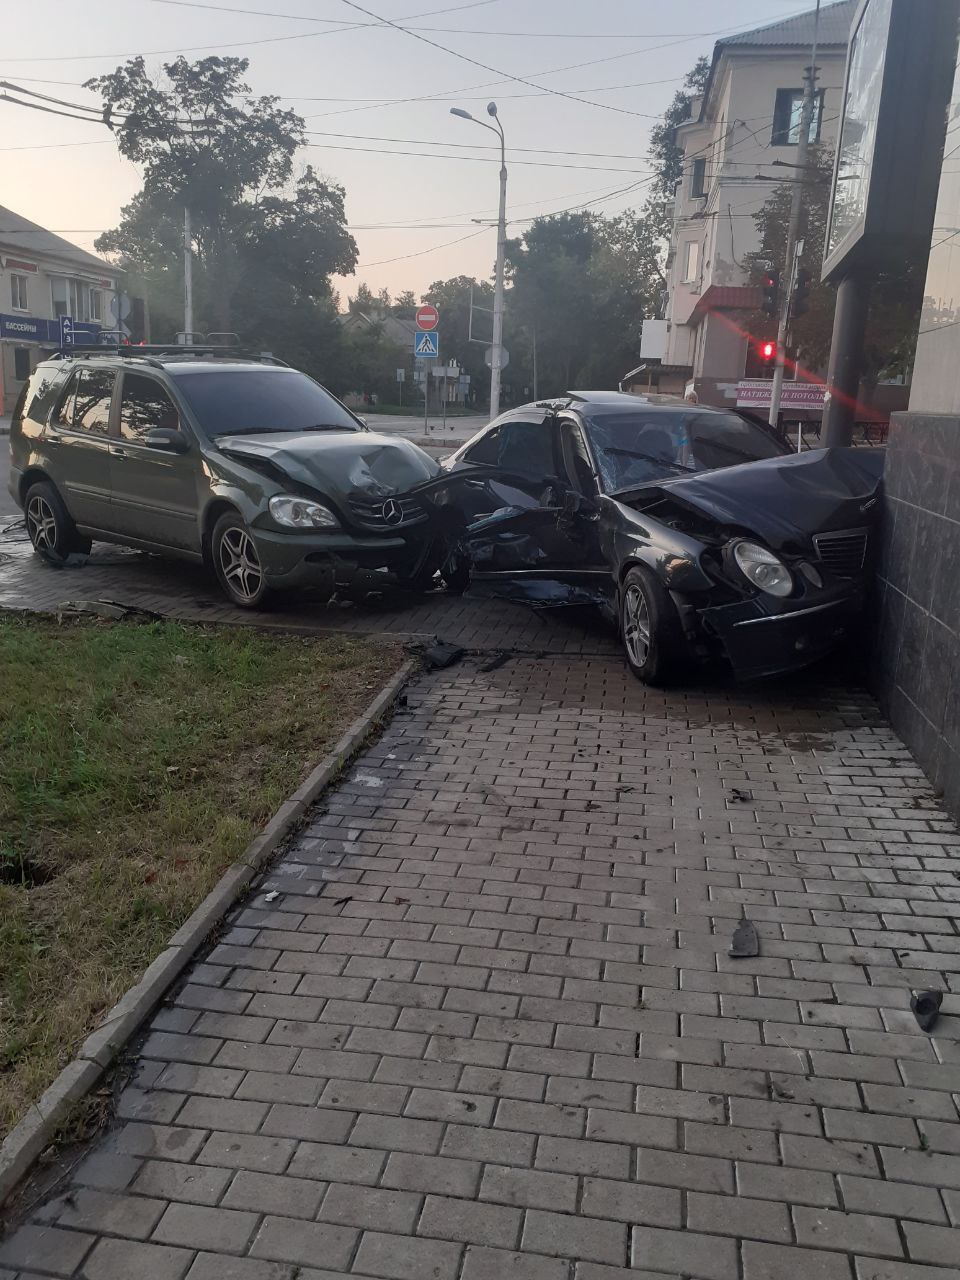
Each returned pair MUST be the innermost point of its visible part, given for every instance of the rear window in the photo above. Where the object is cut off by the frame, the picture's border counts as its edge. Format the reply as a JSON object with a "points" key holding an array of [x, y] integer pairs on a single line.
{"points": [[229, 402], [40, 393]]}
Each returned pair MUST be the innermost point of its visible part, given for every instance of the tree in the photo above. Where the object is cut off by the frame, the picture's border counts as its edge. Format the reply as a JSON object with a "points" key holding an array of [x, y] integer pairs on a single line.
{"points": [[363, 300], [891, 331], [205, 144], [663, 152], [452, 300]]}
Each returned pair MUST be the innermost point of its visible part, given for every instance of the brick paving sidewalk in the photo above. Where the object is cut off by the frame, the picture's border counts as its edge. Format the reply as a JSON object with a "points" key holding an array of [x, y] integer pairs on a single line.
{"points": [[489, 1030]]}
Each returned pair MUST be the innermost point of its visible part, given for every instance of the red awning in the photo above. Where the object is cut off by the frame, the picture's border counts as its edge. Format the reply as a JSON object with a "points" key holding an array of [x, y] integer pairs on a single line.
{"points": [[727, 297]]}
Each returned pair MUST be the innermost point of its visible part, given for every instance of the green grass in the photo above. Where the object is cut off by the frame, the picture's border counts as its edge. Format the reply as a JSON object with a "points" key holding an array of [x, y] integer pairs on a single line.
{"points": [[136, 762]]}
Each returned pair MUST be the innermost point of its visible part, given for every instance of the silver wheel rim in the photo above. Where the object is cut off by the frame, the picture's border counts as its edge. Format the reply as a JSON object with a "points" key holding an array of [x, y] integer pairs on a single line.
{"points": [[636, 625], [42, 524], [240, 564]]}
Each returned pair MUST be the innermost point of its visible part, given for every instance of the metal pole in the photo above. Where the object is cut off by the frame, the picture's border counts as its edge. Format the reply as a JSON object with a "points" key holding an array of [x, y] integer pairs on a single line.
{"points": [[498, 282], [146, 312], [187, 276], [426, 397], [793, 231], [536, 394], [843, 373]]}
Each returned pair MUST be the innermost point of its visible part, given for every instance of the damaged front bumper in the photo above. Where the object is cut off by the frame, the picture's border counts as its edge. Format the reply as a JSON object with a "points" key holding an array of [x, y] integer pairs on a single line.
{"points": [[294, 560], [760, 641]]}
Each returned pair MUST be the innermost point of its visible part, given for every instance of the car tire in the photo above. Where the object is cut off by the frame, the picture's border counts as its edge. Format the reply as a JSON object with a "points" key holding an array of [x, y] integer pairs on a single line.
{"points": [[236, 562], [51, 531], [650, 629]]}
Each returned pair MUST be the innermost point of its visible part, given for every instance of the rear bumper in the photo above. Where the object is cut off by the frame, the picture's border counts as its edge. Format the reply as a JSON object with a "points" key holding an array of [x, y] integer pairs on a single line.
{"points": [[309, 559], [761, 643]]}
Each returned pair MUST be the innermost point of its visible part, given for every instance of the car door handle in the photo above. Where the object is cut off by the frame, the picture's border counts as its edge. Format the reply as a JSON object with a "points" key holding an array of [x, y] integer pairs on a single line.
{"points": [[53, 442], [117, 452]]}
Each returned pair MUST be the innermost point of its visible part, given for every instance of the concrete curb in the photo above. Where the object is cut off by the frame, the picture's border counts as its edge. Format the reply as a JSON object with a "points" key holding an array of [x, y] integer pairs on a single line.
{"points": [[37, 1128]]}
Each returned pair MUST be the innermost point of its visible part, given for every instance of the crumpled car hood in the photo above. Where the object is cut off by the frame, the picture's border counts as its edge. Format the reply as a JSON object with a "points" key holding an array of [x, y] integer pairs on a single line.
{"points": [[337, 462], [785, 498]]}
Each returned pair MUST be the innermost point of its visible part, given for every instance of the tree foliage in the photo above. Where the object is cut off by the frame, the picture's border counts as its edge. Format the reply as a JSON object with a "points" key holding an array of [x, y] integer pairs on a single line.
{"points": [[890, 337], [663, 152], [265, 243]]}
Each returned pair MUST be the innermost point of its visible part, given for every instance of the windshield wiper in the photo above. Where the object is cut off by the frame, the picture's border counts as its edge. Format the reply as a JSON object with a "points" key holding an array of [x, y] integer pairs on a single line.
{"points": [[647, 457], [326, 426], [724, 447]]}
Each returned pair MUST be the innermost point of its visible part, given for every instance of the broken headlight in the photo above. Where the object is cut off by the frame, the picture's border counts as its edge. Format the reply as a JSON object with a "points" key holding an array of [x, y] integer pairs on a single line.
{"points": [[301, 513], [763, 569]]}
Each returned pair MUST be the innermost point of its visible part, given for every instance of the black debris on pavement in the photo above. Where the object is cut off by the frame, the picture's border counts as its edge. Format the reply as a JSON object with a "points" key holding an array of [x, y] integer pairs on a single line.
{"points": [[441, 655], [498, 660], [746, 941], [926, 1008]]}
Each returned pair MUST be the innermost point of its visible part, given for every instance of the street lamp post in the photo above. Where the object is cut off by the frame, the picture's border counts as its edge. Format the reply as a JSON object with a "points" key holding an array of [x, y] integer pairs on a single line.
{"points": [[496, 365]]}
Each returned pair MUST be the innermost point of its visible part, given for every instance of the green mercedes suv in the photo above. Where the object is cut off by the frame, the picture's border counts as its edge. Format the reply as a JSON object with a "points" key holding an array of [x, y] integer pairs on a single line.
{"points": [[246, 465]]}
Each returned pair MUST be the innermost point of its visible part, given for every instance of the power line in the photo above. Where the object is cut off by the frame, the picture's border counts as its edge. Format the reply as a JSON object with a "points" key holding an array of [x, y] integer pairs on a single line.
{"points": [[235, 44], [485, 66], [432, 155], [470, 146], [362, 266], [538, 35]]}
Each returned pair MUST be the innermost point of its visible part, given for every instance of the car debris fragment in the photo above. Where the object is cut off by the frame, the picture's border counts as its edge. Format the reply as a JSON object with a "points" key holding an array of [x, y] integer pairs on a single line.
{"points": [[926, 1008]]}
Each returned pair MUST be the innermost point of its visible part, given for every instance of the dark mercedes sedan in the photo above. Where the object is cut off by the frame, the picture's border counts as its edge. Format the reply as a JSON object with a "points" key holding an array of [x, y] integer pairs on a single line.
{"points": [[693, 528]]}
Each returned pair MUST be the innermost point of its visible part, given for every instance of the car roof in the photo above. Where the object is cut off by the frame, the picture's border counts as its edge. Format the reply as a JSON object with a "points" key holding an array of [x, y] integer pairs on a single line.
{"points": [[600, 402]]}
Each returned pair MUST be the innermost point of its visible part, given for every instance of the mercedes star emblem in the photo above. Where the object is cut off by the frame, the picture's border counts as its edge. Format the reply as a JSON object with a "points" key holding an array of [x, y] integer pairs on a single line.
{"points": [[392, 512]]}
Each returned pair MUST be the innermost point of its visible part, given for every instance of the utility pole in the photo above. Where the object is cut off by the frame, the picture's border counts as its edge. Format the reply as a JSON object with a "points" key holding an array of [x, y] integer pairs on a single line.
{"points": [[495, 369], [187, 276], [793, 231], [496, 365]]}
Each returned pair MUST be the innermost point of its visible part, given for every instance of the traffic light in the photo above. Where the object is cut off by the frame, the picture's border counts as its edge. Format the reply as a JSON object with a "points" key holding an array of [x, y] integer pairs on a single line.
{"points": [[768, 352], [800, 302], [771, 292]]}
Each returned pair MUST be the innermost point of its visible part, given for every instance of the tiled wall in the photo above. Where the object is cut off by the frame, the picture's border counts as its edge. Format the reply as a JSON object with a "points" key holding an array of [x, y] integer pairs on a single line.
{"points": [[918, 659]]}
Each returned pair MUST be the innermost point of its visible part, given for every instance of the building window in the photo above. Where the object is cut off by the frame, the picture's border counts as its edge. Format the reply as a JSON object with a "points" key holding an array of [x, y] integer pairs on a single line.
{"points": [[21, 363], [18, 293], [71, 298], [691, 261], [96, 305], [786, 118], [698, 179]]}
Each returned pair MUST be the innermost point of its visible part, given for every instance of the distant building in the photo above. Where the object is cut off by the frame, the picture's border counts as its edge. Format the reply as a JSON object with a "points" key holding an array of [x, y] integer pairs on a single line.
{"points": [[747, 118], [44, 277]]}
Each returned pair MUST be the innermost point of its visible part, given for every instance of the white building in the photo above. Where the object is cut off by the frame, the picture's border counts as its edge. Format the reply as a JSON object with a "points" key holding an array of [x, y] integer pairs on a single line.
{"points": [[747, 118], [43, 278]]}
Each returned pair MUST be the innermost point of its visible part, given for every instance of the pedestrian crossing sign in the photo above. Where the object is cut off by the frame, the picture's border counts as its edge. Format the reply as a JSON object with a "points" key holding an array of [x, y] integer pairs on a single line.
{"points": [[426, 344]]}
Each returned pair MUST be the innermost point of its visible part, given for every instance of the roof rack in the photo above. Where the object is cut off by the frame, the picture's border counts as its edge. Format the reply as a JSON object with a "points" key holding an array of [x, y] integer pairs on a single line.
{"points": [[149, 352]]}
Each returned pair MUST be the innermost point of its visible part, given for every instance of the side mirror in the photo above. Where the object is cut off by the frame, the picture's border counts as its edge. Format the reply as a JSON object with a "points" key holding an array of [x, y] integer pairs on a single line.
{"points": [[167, 439]]}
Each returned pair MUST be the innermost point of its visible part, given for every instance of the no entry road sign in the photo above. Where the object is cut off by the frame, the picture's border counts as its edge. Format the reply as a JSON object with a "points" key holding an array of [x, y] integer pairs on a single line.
{"points": [[427, 317]]}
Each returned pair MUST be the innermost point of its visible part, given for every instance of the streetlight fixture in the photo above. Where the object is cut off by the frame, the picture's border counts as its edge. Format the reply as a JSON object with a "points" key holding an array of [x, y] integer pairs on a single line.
{"points": [[497, 350]]}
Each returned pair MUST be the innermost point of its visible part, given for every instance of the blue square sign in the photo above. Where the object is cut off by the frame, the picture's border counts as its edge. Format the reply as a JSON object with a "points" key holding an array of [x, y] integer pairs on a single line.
{"points": [[426, 344]]}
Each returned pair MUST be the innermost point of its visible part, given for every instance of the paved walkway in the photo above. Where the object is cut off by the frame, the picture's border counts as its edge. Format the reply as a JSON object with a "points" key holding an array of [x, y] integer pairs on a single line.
{"points": [[489, 1029]]}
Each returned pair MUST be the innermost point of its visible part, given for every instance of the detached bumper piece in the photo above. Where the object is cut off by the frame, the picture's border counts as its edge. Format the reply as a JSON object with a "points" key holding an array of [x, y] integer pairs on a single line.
{"points": [[759, 642]]}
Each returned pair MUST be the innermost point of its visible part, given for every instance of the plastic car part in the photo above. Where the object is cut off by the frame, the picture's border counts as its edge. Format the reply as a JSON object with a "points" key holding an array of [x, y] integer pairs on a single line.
{"points": [[926, 1008], [746, 941], [442, 655]]}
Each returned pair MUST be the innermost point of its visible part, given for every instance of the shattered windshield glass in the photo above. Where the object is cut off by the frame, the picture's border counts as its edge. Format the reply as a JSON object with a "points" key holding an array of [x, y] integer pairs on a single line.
{"points": [[649, 444], [254, 400]]}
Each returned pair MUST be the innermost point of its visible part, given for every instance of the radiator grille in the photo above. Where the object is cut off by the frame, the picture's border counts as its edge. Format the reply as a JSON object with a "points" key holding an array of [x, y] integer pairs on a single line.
{"points": [[844, 552]]}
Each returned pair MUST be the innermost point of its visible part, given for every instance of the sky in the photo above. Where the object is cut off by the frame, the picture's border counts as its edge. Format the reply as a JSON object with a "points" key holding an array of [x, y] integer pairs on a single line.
{"points": [[377, 102]]}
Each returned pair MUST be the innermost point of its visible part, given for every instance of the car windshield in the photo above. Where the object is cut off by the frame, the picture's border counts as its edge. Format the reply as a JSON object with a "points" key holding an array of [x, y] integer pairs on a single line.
{"points": [[643, 446], [230, 402]]}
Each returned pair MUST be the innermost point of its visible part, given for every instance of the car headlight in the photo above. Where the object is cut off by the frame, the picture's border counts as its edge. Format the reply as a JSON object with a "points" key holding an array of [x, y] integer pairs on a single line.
{"points": [[761, 567], [301, 513]]}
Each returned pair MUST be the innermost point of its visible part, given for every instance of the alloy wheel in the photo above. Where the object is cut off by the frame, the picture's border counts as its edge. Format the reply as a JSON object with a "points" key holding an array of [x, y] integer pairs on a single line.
{"points": [[42, 524], [636, 625], [240, 563]]}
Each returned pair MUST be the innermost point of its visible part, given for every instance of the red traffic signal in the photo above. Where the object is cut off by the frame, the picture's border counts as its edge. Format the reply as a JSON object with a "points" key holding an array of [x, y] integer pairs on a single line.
{"points": [[768, 352], [771, 291]]}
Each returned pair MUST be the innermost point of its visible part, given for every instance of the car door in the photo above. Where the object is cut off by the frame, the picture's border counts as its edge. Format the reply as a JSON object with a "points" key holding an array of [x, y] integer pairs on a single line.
{"points": [[154, 480], [77, 444], [539, 542]]}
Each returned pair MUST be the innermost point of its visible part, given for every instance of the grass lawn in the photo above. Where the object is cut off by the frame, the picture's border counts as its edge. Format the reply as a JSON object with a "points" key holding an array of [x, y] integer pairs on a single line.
{"points": [[136, 762]]}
